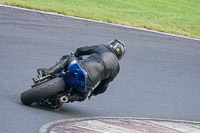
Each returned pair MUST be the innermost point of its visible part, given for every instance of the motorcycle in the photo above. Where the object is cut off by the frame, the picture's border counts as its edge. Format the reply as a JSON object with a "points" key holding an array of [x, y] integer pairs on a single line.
{"points": [[54, 90]]}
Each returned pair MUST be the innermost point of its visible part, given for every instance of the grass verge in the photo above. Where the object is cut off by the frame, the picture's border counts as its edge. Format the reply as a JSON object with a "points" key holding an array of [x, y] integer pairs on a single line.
{"points": [[181, 17]]}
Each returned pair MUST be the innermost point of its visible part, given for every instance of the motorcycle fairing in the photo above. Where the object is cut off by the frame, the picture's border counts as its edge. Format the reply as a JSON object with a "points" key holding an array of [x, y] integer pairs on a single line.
{"points": [[76, 77]]}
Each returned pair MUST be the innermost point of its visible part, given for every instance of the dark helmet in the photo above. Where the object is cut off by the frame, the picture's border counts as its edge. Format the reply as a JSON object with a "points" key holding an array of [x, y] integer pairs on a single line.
{"points": [[119, 48]]}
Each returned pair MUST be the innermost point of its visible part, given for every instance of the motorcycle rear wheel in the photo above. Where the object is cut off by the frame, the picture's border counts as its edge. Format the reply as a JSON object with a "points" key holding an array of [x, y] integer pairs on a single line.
{"points": [[43, 91]]}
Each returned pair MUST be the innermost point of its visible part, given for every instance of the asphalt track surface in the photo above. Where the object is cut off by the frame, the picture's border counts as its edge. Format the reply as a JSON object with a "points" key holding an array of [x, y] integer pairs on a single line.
{"points": [[159, 77]]}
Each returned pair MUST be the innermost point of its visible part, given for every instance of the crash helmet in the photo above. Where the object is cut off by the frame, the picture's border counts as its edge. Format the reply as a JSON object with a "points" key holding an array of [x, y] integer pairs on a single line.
{"points": [[118, 47]]}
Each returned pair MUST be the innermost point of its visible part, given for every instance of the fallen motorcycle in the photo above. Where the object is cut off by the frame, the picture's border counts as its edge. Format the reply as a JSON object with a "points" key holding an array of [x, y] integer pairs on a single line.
{"points": [[54, 90]]}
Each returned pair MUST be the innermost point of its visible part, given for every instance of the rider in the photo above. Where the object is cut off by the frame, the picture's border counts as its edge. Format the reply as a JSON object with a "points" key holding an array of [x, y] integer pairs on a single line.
{"points": [[102, 66]]}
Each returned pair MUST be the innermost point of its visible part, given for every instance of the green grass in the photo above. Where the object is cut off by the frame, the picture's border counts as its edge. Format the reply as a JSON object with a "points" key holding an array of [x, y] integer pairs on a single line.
{"points": [[180, 17]]}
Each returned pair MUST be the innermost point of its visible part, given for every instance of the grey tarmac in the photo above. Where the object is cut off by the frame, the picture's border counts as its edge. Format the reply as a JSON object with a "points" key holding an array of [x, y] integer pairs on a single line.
{"points": [[159, 77]]}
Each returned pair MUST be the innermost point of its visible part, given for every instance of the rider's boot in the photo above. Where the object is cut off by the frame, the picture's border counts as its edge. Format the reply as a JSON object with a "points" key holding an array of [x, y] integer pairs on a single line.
{"points": [[63, 63]]}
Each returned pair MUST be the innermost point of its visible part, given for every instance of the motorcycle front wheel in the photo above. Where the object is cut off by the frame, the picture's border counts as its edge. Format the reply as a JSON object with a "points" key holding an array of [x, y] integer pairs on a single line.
{"points": [[43, 91]]}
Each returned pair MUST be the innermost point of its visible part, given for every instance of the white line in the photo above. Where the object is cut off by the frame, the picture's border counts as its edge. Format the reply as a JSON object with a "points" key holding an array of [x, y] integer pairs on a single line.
{"points": [[118, 25]]}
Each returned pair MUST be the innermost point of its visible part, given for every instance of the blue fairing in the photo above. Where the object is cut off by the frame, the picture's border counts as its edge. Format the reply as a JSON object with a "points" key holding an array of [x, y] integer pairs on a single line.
{"points": [[76, 77]]}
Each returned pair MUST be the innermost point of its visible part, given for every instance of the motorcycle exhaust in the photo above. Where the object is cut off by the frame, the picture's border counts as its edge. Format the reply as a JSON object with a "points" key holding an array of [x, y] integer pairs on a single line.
{"points": [[64, 99]]}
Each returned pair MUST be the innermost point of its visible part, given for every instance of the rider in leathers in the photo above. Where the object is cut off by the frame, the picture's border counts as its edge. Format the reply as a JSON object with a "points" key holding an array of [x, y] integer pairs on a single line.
{"points": [[101, 65]]}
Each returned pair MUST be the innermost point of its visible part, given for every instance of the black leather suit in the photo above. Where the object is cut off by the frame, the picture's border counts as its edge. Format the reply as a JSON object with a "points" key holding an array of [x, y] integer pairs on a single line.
{"points": [[102, 66]]}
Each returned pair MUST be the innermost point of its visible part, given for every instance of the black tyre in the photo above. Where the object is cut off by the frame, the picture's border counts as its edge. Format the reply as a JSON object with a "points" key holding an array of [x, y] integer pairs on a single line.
{"points": [[42, 91]]}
